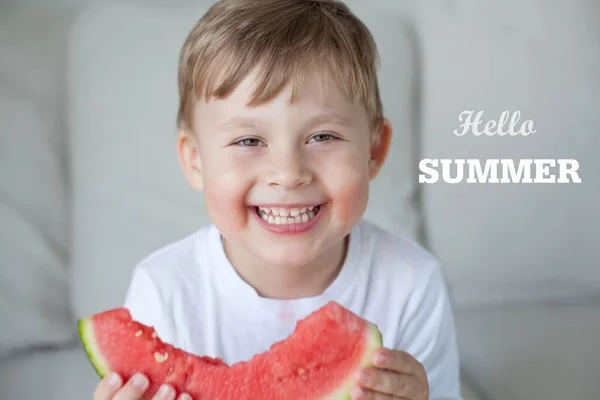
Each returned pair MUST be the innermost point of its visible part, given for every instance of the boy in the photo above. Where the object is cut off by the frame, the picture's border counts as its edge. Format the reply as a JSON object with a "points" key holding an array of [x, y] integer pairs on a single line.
{"points": [[281, 127]]}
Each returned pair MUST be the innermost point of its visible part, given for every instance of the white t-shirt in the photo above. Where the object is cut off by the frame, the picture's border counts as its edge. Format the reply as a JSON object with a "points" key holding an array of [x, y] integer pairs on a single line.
{"points": [[192, 295]]}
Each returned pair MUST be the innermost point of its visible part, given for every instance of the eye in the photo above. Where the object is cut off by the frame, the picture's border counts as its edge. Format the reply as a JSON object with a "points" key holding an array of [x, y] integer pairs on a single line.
{"points": [[248, 142], [322, 137]]}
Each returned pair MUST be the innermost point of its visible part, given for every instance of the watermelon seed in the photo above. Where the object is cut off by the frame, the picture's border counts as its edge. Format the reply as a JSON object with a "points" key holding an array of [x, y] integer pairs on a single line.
{"points": [[138, 333], [154, 334], [161, 358], [302, 373]]}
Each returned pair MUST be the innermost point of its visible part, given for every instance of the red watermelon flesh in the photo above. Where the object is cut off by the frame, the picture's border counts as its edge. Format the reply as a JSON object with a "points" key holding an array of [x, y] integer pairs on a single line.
{"points": [[316, 362]]}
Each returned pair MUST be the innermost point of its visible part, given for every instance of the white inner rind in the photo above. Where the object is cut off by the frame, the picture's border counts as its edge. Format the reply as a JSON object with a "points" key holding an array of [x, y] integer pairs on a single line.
{"points": [[374, 342], [88, 338]]}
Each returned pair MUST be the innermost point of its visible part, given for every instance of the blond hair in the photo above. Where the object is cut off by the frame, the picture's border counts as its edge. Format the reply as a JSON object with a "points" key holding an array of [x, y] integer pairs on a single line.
{"points": [[281, 40]]}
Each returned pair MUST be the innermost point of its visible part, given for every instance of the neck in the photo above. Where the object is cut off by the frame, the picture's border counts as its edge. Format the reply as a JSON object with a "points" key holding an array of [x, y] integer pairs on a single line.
{"points": [[287, 283]]}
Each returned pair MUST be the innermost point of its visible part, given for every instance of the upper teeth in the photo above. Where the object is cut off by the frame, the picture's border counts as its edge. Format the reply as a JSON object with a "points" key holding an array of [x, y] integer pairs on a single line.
{"points": [[285, 212], [276, 215]]}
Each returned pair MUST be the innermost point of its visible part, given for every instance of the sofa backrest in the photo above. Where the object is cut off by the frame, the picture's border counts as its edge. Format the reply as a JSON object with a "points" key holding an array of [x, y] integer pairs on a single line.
{"points": [[509, 242]]}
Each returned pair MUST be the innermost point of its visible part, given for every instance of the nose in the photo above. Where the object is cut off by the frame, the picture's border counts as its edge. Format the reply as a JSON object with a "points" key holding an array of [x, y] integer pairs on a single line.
{"points": [[289, 171]]}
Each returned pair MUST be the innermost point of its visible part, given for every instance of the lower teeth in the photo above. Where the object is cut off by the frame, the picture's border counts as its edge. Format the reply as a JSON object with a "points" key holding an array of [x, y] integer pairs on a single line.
{"points": [[298, 219]]}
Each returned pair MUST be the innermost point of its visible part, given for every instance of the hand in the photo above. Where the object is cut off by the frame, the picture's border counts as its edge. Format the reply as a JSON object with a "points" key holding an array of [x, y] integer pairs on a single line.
{"points": [[396, 376], [112, 388]]}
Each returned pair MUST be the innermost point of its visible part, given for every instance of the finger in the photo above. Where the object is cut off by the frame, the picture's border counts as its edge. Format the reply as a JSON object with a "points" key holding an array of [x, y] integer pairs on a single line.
{"points": [[107, 388], [389, 382], [398, 361], [133, 389], [165, 392], [359, 393]]}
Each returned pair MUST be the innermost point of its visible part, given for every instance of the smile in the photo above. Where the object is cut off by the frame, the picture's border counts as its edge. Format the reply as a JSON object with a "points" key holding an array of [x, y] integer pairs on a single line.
{"points": [[287, 216]]}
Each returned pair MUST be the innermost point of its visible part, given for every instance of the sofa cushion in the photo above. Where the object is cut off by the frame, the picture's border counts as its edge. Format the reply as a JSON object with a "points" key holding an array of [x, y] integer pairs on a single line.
{"points": [[129, 196], [34, 290], [537, 352], [514, 241], [62, 373], [34, 306], [33, 45]]}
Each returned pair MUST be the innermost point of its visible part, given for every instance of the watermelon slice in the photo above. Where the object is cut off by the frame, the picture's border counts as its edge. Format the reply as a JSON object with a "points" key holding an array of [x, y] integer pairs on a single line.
{"points": [[316, 362]]}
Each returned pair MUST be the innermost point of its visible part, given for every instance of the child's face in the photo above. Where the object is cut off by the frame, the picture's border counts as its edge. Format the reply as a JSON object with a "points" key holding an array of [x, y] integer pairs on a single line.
{"points": [[284, 182]]}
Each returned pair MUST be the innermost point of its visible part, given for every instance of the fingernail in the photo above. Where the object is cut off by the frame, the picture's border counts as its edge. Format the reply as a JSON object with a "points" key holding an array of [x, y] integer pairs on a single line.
{"points": [[381, 358], [113, 380], [165, 392], [362, 376], [185, 396], [140, 381]]}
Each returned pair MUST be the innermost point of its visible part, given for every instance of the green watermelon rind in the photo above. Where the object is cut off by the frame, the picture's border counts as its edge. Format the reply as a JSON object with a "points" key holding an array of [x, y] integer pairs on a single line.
{"points": [[86, 332], [374, 342]]}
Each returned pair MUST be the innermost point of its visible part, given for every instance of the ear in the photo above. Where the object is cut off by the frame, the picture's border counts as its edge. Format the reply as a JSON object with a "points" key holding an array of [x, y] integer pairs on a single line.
{"points": [[189, 158], [381, 139]]}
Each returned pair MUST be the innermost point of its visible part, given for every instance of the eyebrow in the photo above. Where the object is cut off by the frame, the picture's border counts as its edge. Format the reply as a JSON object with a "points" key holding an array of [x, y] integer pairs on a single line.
{"points": [[314, 121], [329, 118], [238, 122]]}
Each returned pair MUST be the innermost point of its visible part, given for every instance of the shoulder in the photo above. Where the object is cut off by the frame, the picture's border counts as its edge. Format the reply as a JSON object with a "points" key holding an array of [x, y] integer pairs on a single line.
{"points": [[169, 269], [409, 280], [165, 279], [398, 257]]}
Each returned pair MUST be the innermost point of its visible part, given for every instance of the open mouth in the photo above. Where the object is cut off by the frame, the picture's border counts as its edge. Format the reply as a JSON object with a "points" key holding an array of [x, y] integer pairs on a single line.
{"points": [[287, 216]]}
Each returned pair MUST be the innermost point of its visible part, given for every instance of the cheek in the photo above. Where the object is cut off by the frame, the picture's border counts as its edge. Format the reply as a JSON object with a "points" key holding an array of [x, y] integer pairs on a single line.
{"points": [[225, 192], [351, 196], [348, 187]]}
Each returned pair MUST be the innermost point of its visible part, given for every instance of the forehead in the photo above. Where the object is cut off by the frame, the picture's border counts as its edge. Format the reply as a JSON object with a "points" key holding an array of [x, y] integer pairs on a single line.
{"points": [[305, 93]]}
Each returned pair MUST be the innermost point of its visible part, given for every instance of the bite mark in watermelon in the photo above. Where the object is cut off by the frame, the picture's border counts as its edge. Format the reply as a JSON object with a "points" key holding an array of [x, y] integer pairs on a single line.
{"points": [[316, 362]]}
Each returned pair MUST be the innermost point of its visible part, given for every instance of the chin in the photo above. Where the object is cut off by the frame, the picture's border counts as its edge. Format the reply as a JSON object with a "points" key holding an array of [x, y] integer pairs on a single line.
{"points": [[282, 259]]}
